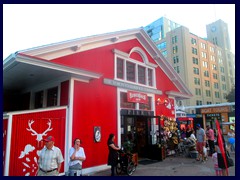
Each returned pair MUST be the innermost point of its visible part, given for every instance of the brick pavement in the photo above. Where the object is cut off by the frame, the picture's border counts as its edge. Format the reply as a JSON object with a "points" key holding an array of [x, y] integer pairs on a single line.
{"points": [[174, 166]]}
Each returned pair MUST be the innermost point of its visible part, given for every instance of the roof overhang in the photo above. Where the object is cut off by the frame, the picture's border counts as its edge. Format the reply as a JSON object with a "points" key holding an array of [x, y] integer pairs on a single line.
{"points": [[21, 72]]}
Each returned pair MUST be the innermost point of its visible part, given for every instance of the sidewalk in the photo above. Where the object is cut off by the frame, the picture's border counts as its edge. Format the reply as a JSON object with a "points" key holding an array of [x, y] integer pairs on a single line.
{"points": [[174, 166]]}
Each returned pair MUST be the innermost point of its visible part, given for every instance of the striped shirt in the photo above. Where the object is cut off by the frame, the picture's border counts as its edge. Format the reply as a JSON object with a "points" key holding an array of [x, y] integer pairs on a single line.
{"points": [[49, 159]]}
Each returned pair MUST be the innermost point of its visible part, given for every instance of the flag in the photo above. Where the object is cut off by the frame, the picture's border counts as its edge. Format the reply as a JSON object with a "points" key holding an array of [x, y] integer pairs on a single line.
{"points": [[221, 144]]}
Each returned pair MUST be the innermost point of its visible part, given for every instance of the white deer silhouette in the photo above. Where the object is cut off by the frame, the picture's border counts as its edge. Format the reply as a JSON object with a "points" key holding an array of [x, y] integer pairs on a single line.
{"points": [[39, 136]]}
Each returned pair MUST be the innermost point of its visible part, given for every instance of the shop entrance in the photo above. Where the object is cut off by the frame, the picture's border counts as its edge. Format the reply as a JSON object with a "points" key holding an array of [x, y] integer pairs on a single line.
{"points": [[142, 131]]}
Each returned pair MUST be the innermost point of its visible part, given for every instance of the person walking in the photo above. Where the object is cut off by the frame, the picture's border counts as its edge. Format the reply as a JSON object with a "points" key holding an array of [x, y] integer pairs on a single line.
{"points": [[77, 156], [210, 137], [201, 142], [112, 155], [231, 140], [218, 171], [50, 159]]}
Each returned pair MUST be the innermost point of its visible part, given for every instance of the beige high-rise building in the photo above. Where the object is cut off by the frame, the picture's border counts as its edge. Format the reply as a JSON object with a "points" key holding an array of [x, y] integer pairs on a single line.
{"points": [[206, 66]]}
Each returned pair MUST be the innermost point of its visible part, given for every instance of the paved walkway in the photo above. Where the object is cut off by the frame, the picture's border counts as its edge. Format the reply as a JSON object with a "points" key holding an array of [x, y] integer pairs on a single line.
{"points": [[174, 166]]}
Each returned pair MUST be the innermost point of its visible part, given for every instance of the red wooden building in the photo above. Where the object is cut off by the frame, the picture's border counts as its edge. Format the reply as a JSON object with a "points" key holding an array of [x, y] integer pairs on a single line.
{"points": [[88, 88]]}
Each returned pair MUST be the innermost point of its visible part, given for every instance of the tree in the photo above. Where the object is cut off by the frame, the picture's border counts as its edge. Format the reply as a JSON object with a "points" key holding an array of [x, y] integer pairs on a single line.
{"points": [[231, 96]]}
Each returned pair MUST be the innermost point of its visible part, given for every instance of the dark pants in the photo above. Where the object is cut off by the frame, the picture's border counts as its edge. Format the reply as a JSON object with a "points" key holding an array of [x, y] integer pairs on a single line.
{"points": [[112, 170], [211, 146]]}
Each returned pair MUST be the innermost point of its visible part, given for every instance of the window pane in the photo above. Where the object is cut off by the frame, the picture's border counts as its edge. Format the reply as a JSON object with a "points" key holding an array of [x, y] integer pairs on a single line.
{"points": [[39, 99], [150, 77], [119, 68], [130, 71], [146, 106], [52, 96], [141, 75], [124, 102]]}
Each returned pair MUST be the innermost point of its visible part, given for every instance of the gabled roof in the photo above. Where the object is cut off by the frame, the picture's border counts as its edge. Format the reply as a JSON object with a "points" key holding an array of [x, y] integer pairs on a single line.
{"points": [[55, 50]]}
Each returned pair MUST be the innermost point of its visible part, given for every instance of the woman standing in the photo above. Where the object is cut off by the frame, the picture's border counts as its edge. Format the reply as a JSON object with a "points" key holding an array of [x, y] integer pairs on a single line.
{"points": [[77, 156], [112, 155]]}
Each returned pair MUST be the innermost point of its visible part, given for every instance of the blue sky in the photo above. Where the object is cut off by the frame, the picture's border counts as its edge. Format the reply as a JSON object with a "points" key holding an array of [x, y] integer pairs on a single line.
{"points": [[31, 25]]}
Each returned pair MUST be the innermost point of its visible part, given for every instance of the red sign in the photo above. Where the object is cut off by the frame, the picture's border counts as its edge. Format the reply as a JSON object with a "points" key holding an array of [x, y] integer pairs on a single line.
{"points": [[137, 97]]}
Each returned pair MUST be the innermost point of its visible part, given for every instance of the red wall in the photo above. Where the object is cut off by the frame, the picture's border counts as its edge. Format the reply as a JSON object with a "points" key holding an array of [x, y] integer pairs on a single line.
{"points": [[95, 104]]}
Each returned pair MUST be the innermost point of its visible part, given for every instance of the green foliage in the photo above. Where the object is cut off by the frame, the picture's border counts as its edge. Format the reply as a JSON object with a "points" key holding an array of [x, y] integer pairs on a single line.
{"points": [[231, 96]]}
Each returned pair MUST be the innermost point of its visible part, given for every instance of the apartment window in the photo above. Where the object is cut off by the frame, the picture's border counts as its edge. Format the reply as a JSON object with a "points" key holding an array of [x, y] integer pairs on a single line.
{"points": [[215, 76], [204, 55], [177, 69], [197, 81], [203, 45], [38, 100], [194, 50], [224, 96], [195, 60], [219, 53], [211, 49], [130, 71], [175, 59], [222, 69], [141, 75], [174, 39], [175, 49], [223, 78], [120, 70], [207, 83], [193, 41], [196, 70], [220, 61], [217, 94], [197, 91], [216, 85], [52, 96], [206, 73], [208, 102], [205, 64], [212, 58], [208, 93], [224, 87], [198, 102], [214, 67]]}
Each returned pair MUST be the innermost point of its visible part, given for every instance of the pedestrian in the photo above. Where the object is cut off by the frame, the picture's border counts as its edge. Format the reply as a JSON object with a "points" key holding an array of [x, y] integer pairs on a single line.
{"points": [[231, 140], [112, 155], [77, 156], [50, 159], [218, 171], [210, 137], [188, 132], [193, 135], [201, 142], [221, 163]]}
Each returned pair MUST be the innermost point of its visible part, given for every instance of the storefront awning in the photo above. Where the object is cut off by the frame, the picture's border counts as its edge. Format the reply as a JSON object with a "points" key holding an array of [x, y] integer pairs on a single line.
{"points": [[185, 118], [21, 72]]}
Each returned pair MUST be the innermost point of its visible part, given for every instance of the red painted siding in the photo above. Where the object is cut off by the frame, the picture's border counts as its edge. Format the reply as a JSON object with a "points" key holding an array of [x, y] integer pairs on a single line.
{"points": [[25, 147], [94, 107], [64, 93]]}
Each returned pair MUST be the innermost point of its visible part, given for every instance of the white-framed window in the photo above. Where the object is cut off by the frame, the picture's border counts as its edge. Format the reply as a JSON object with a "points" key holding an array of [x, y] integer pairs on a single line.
{"points": [[134, 72]]}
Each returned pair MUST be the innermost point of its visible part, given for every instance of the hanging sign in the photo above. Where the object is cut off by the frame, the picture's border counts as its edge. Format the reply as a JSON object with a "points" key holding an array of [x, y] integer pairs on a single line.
{"points": [[137, 97]]}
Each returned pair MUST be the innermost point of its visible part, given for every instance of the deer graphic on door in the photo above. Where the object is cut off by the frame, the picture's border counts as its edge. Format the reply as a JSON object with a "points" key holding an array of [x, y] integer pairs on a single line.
{"points": [[30, 166]]}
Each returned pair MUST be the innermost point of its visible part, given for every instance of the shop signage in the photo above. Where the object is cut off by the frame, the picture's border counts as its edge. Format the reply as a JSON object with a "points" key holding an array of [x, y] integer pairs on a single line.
{"points": [[214, 110], [131, 86], [137, 97]]}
